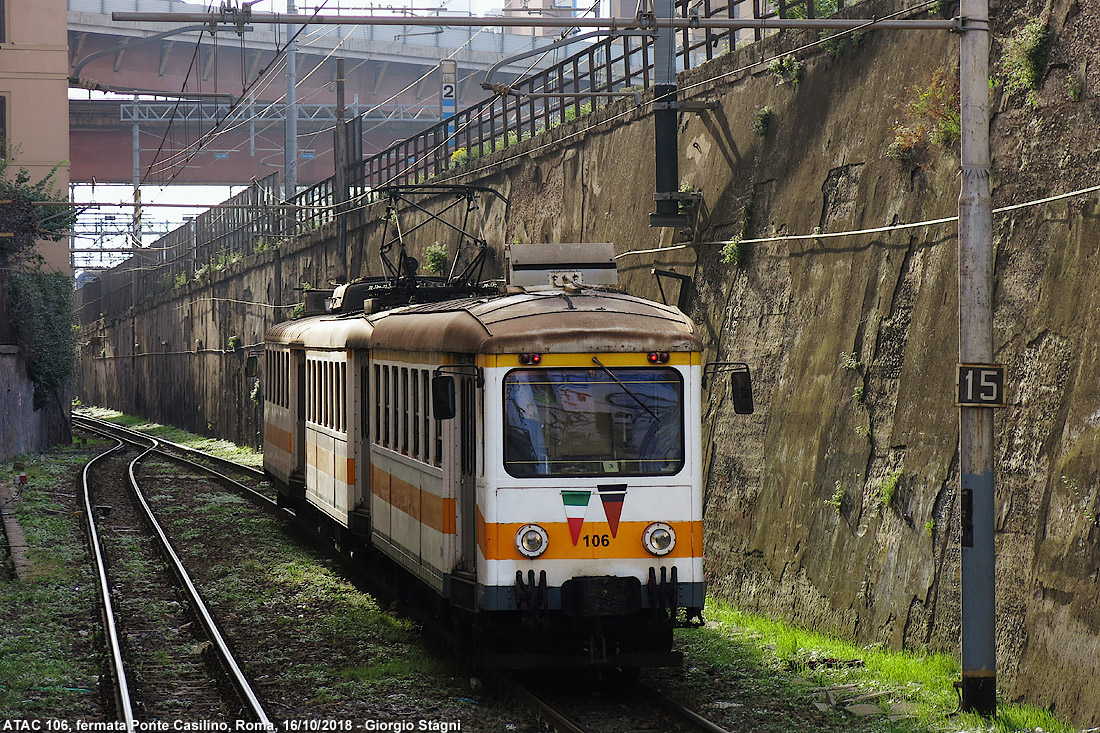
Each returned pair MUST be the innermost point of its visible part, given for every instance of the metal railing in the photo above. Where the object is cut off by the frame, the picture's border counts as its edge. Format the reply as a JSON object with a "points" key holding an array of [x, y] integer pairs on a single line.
{"points": [[572, 88], [545, 98]]}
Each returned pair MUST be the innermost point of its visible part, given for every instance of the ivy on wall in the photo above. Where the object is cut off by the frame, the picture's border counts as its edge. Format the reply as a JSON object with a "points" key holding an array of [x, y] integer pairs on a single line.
{"points": [[40, 306], [25, 223], [42, 318]]}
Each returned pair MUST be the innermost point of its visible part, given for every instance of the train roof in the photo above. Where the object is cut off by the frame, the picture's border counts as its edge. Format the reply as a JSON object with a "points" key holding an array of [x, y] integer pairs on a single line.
{"points": [[322, 332], [546, 320]]}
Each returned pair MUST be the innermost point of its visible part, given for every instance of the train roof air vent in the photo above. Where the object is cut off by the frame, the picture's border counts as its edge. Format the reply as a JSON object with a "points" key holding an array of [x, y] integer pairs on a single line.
{"points": [[539, 266]]}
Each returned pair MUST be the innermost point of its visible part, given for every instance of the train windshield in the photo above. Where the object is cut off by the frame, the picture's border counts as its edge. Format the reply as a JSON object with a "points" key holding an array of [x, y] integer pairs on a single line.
{"points": [[592, 422]]}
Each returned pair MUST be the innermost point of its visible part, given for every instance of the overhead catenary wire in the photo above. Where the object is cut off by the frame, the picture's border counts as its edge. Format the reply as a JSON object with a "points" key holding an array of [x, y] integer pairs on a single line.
{"points": [[859, 232]]}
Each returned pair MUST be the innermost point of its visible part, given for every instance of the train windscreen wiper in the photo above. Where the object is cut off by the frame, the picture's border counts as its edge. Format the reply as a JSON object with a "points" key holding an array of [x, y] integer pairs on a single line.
{"points": [[624, 388]]}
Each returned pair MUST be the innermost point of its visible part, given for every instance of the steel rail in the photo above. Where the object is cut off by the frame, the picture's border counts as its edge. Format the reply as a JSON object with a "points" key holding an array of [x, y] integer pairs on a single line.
{"points": [[685, 713], [118, 671], [116, 429], [236, 675], [559, 720]]}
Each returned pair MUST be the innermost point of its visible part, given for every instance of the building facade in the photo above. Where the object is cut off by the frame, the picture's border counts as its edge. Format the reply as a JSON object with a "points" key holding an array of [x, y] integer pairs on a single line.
{"points": [[34, 104]]}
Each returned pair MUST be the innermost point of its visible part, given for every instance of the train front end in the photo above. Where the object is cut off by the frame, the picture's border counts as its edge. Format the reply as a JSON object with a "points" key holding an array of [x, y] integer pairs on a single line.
{"points": [[590, 511], [590, 521]]}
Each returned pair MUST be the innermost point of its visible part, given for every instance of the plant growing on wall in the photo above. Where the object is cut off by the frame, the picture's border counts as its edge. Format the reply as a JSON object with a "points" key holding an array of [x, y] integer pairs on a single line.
{"points": [[762, 121], [1025, 57], [435, 258], [28, 223], [928, 115], [787, 68], [42, 317]]}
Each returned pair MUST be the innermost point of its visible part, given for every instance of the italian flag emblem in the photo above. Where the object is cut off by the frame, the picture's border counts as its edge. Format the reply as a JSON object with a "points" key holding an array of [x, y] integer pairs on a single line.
{"points": [[576, 502]]}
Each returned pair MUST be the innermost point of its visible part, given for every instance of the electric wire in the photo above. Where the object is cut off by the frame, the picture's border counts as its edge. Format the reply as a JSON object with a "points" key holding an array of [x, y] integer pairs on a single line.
{"points": [[857, 232]]}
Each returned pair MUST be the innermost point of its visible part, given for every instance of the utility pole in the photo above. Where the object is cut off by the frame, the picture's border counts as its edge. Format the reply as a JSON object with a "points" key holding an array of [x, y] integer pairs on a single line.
{"points": [[290, 129], [980, 382], [665, 107], [136, 131], [340, 160]]}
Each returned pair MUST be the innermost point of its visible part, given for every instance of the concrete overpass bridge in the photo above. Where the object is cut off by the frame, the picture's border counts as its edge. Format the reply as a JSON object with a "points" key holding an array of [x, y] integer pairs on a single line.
{"points": [[391, 77]]}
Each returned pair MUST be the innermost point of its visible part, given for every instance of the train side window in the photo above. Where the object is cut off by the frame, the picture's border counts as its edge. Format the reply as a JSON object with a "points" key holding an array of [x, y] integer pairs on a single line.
{"points": [[386, 405], [437, 452], [425, 422], [405, 410], [309, 390], [343, 412], [364, 390], [415, 394], [377, 400], [395, 406]]}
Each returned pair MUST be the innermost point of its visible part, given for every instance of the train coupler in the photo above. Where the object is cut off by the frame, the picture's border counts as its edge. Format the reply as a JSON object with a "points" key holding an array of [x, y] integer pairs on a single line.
{"points": [[531, 595]]}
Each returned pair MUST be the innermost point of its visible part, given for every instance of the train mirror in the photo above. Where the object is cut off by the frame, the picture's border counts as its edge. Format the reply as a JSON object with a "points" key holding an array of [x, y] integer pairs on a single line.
{"points": [[443, 397], [741, 391]]}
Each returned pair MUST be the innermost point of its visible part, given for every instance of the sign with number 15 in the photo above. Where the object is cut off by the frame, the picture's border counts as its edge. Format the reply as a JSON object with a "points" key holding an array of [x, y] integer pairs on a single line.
{"points": [[980, 385]]}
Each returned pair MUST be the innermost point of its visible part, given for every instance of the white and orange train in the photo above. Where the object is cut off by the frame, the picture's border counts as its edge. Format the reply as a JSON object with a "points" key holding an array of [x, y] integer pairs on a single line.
{"points": [[532, 458]]}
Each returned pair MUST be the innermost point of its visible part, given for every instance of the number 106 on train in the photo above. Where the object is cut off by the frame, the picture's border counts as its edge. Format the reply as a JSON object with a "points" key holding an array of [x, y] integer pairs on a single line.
{"points": [[980, 385]]}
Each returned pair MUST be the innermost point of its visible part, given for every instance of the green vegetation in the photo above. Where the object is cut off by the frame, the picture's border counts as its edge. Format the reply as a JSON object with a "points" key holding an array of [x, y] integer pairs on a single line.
{"points": [[836, 501], [849, 361], [733, 253], [234, 343], [213, 446], [736, 252], [49, 629], [1025, 58], [1074, 87], [887, 490], [762, 121], [857, 393], [435, 258], [787, 68], [28, 223], [929, 116], [836, 44], [44, 322], [914, 690]]}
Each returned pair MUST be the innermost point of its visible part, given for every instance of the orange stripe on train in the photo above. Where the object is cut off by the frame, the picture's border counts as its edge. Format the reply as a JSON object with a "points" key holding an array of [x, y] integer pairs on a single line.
{"points": [[498, 541], [425, 507], [279, 438]]}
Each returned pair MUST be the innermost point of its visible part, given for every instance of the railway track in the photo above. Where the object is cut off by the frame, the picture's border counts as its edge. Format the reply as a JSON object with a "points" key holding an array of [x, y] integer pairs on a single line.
{"points": [[222, 469], [627, 705], [623, 705], [168, 659]]}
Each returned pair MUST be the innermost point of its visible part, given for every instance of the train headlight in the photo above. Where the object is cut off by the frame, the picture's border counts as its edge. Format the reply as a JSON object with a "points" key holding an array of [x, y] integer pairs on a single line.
{"points": [[659, 539], [531, 540]]}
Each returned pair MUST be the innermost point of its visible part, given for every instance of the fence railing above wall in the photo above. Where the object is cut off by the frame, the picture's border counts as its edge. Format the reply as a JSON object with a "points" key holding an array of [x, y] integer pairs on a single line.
{"points": [[620, 62], [248, 222], [617, 63]]}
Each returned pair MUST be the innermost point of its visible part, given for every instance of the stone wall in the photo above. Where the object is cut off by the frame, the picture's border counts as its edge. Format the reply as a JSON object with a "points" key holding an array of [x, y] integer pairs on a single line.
{"points": [[852, 341]]}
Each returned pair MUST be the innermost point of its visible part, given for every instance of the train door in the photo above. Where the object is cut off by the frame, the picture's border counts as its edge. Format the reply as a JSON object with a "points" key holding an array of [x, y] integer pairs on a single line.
{"points": [[297, 481], [468, 441]]}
